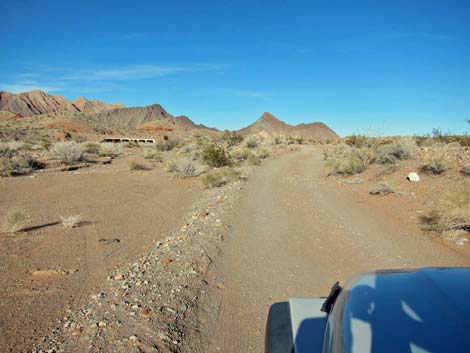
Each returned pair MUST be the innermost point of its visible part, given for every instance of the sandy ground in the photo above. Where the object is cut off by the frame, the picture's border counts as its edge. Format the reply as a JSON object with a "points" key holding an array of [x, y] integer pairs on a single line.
{"points": [[124, 213], [294, 234]]}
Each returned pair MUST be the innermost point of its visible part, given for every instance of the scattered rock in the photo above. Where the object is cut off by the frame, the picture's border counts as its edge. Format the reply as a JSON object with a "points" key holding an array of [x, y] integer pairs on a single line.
{"points": [[145, 313], [167, 261], [220, 285], [413, 177]]}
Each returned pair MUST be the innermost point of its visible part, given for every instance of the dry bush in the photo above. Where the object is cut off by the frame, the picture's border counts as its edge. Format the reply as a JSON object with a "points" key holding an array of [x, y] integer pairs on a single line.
{"points": [[109, 149], [167, 145], [68, 152], [453, 213], [438, 160], [71, 221], [133, 165], [466, 168], [252, 142], [240, 155], [404, 148], [262, 153], [92, 148], [12, 163], [346, 160], [153, 154], [381, 189], [220, 178], [185, 167], [15, 220], [253, 160]]}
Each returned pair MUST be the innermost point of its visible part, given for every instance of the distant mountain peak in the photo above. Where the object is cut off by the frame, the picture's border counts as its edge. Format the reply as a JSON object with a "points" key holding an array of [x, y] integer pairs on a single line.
{"points": [[37, 102]]}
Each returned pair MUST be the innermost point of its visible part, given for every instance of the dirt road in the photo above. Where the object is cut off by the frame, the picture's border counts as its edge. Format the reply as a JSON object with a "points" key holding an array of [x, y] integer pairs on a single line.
{"points": [[124, 213], [295, 234]]}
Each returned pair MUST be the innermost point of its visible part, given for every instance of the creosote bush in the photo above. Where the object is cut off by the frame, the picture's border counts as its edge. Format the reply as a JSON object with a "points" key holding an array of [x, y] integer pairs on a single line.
{"points": [[439, 160], [109, 149], [381, 189], [393, 152], [346, 160], [68, 152], [13, 163], [215, 156], [251, 142], [167, 145]]}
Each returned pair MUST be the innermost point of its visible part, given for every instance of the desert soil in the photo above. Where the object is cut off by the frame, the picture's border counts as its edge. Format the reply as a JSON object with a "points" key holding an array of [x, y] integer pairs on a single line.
{"points": [[194, 270], [48, 269], [294, 234]]}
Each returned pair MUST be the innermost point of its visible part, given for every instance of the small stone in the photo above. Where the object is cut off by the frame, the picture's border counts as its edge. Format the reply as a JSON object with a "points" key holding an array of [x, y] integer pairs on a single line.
{"points": [[413, 177], [167, 261], [102, 324], [220, 285], [145, 313], [119, 277]]}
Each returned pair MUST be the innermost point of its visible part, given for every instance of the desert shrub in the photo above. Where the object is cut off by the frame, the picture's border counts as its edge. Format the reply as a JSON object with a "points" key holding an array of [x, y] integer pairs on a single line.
{"points": [[262, 153], [391, 153], [348, 165], [13, 163], [253, 160], [167, 145], [15, 220], [153, 154], [240, 155], [133, 165], [232, 138], [251, 142], [439, 160], [71, 221], [381, 189], [359, 141], [295, 140], [68, 152], [453, 213], [109, 149], [220, 178], [215, 156], [466, 168], [184, 167], [92, 148]]}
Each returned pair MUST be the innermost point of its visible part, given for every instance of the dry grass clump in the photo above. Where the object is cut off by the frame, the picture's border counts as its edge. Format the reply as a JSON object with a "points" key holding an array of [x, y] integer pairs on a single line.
{"points": [[381, 189], [71, 221], [68, 152], [15, 220], [438, 160], [220, 178], [453, 213], [109, 149], [185, 167], [346, 160], [133, 165]]}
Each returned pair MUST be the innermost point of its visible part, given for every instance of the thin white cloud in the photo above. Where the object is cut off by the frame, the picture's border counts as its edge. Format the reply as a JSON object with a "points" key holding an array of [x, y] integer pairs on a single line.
{"points": [[138, 72]]}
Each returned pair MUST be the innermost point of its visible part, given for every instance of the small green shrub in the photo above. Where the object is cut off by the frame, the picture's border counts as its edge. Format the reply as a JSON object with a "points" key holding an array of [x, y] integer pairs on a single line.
{"points": [[215, 156]]}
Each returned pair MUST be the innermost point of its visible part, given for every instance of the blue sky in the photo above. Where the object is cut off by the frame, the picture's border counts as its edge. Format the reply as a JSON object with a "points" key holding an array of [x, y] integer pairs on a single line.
{"points": [[375, 67]]}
